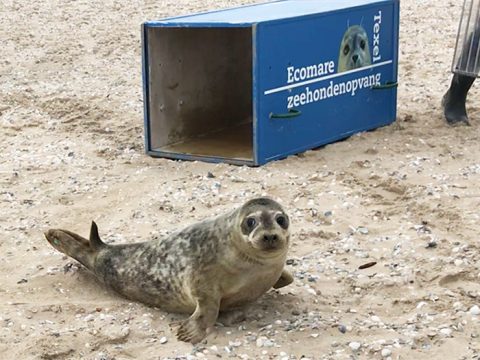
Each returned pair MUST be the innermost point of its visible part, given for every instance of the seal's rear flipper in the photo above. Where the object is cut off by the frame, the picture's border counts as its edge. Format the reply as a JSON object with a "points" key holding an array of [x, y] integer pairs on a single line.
{"points": [[72, 245], [95, 240]]}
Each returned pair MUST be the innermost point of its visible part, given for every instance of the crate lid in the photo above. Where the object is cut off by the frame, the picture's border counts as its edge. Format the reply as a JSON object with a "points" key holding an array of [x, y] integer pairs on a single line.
{"points": [[256, 13]]}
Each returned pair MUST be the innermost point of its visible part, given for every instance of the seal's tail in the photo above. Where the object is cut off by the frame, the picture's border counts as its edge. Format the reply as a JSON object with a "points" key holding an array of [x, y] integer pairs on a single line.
{"points": [[75, 246]]}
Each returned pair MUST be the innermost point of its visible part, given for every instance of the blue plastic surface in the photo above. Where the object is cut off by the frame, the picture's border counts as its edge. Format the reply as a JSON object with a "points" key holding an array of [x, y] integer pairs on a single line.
{"points": [[334, 117]]}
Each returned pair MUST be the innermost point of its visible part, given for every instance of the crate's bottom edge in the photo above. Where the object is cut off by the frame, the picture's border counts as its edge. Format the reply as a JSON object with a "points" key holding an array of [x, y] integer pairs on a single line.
{"points": [[328, 141], [205, 158]]}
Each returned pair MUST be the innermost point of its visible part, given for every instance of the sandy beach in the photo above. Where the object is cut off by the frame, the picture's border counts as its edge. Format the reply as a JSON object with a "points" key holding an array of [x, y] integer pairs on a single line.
{"points": [[404, 196]]}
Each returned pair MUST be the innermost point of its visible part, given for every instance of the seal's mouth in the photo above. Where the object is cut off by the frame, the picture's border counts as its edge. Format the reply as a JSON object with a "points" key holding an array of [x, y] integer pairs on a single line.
{"points": [[271, 251], [271, 247]]}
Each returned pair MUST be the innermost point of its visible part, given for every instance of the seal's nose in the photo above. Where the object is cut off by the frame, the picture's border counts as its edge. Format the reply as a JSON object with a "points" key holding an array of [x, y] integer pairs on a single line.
{"points": [[272, 238], [355, 58]]}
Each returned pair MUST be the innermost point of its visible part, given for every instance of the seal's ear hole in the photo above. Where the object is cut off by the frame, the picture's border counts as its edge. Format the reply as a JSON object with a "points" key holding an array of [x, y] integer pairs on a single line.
{"points": [[346, 49], [282, 221], [362, 44]]}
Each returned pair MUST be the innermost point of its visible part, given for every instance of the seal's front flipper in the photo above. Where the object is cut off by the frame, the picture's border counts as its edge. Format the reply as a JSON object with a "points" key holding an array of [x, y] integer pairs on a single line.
{"points": [[195, 328], [72, 245], [285, 279]]}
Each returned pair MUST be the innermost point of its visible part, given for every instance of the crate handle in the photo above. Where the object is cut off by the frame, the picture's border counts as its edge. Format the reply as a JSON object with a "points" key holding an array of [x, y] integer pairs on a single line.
{"points": [[387, 85], [290, 114]]}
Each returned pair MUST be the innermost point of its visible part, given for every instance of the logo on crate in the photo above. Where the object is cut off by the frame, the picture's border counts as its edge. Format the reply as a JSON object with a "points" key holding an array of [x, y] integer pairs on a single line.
{"points": [[333, 89], [354, 57]]}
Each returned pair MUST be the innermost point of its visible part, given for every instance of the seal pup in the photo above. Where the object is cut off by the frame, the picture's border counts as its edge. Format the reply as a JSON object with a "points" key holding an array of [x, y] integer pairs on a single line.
{"points": [[211, 266], [354, 50]]}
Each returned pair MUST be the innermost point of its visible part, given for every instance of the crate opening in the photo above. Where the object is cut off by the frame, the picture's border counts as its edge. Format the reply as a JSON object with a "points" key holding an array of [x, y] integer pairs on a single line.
{"points": [[200, 91]]}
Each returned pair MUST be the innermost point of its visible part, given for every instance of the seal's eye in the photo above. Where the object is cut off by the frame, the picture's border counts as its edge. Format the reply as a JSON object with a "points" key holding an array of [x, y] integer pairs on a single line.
{"points": [[346, 49], [282, 221], [251, 222], [362, 44]]}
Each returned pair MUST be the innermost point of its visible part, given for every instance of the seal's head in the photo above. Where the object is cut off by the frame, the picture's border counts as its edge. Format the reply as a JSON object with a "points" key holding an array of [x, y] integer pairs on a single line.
{"points": [[264, 227], [354, 49]]}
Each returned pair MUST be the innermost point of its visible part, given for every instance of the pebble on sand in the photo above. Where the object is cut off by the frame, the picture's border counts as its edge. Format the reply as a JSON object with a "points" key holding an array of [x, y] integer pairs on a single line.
{"points": [[386, 353], [355, 345], [475, 310]]}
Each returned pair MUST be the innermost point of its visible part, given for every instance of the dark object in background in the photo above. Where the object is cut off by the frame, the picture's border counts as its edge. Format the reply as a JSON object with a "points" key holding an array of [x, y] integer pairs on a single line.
{"points": [[465, 64], [367, 265]]}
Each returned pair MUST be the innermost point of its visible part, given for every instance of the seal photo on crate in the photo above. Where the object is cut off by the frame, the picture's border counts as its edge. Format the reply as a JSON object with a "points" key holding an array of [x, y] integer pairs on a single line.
{"points": [[354, 50], [211, 266]]}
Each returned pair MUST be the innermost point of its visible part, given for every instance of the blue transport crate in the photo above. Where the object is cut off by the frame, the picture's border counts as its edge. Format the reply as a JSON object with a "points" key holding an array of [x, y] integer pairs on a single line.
{"points": [[257, 83]]}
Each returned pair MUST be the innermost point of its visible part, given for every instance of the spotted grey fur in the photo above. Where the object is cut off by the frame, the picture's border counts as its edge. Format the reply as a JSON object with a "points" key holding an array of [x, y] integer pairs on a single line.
{"points": [[210, 266]]}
